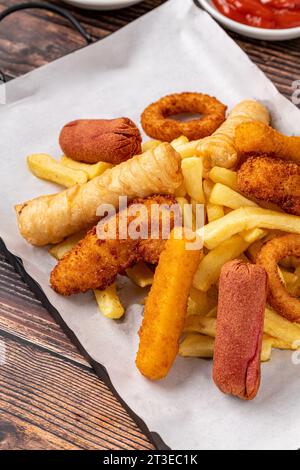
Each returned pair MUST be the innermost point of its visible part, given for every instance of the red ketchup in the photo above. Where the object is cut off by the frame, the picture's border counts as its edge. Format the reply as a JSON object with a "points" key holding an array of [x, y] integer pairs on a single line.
{"points": [[273, 14]]}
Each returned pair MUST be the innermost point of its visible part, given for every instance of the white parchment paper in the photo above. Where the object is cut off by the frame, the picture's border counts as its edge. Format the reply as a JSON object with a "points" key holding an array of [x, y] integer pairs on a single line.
{"points": [[177, 47]]}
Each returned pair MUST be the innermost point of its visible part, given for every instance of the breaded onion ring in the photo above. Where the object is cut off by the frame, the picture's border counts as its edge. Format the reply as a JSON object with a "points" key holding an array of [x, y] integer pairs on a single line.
{"points": [[156, 123], [278, 296]]}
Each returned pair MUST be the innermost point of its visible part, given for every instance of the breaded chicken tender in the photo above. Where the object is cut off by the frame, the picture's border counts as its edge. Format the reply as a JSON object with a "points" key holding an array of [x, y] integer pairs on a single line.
{"points": [[271, 180], [254, 138], [95, 263]]}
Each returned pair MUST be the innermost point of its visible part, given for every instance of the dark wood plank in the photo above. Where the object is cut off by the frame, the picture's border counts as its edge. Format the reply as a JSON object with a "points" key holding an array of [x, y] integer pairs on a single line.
{"points": [[47, 401], [23, 315], [32, 38]]}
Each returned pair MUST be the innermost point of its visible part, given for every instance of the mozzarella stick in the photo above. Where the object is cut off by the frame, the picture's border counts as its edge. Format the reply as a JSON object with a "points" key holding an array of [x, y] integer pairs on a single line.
{"points": [[240, 321], [49, 219], [165, 309]]}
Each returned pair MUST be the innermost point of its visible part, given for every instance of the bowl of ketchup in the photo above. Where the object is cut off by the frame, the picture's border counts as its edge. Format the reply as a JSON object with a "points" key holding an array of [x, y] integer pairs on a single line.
{"points": [[273, 20]]}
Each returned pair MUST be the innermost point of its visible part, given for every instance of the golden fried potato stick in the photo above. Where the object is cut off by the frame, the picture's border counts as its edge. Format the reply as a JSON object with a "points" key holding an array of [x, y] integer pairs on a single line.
{"points": [[254, 138], [109, 303], [47, 168], [219, 148], [281, 329], [165, 309], [210, 266], [197, 345], [247, 218], [49, 219], [222, 175], [92, 170]]}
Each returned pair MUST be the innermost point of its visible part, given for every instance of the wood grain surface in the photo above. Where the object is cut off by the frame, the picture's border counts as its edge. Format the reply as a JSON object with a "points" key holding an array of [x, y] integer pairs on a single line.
{"points": [[49, 396]]}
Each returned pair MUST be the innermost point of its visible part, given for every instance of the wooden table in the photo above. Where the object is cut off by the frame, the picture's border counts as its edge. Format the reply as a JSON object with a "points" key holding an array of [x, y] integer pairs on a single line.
{"points": [[50, 398]]}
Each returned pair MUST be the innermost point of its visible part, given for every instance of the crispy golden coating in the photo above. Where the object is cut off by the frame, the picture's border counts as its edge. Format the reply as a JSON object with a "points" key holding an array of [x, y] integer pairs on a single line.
{"points": [[278, 296], [271, 180], [94, 263], [253, 138], [166, 308], [157, 123]]}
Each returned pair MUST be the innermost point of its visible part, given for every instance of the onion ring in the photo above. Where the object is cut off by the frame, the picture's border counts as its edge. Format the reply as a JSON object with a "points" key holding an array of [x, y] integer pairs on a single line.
{"points": [[157, 125], [278, 296]]}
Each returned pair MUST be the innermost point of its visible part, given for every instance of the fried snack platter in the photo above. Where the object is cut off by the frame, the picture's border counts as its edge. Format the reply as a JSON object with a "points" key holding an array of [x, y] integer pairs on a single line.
{"points": [[189, 383]]}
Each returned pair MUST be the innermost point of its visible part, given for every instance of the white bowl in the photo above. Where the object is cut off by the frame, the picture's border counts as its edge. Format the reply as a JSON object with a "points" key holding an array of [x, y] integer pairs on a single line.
{"points": [[102, 4], [250, 31]]}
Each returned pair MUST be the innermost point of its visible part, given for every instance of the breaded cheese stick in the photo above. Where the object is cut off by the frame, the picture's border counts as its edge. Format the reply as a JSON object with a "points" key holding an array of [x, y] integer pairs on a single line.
{"points": [[240, 321], [49, 219], [165, 309]]}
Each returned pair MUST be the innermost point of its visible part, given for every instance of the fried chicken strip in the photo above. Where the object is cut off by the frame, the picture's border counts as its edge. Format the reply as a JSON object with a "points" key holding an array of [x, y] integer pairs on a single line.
{"points": [[95, 263], [253, 138], [271, 180]]}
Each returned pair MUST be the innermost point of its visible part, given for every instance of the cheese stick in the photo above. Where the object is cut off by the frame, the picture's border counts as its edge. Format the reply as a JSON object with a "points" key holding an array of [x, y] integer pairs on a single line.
{"points": [[49, 219]]}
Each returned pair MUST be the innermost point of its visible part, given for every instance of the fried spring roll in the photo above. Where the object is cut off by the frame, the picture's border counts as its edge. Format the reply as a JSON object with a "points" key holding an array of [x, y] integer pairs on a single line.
{"points": [[49, 219], [240, 319]]}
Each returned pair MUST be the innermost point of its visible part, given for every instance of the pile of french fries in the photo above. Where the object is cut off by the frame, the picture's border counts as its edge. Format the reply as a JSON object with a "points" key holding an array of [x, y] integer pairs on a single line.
{"points": [[236, 227]]}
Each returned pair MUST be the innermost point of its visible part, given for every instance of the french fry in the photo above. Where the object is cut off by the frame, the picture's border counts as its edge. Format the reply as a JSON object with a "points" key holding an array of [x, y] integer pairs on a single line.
{"points": [[141, 275], [278, 343], [247, 218], [109, 303], [150, 145], [165, 309], [266, 349], [199, 324], [214, 212], [198, 345], [224, 176], [277, 326], [207, 189], [45, 167], [59, 250], [205, 301], [92, 170], [187, 213], [210, 266], [192, 170], [290, 262], [287, 277], [188, 150], [213, 313], [176, 143], [225, 196], [253, 235]]}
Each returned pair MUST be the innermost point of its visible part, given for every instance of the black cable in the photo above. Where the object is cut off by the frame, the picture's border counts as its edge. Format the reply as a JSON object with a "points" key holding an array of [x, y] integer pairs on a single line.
{"points": [[196, 2], [46, 6]]}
